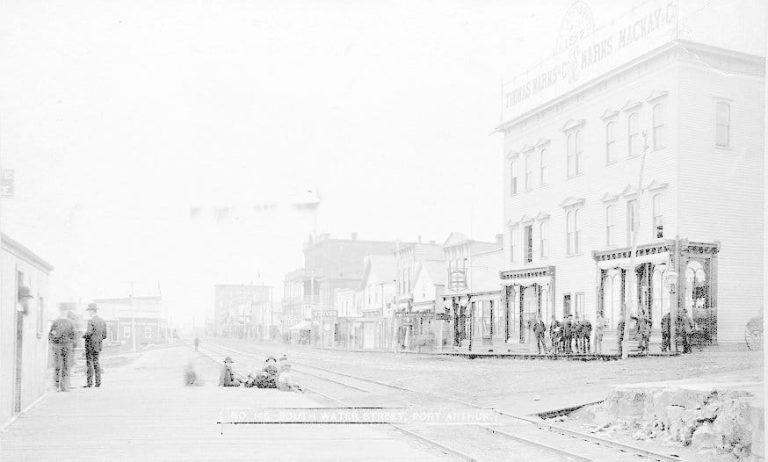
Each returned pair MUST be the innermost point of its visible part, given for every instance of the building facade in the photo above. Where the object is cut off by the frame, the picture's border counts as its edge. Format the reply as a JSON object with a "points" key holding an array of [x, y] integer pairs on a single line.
{"points": [[23, 331], [142, 317], [649, 127], [243, 310]]}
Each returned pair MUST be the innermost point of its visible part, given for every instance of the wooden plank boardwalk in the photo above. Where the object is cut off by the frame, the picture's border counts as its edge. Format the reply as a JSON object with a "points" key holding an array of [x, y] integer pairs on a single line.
{"points": [[143, 412]]}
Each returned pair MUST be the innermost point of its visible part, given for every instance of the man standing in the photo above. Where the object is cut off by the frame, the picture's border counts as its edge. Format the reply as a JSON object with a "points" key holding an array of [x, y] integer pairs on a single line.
{"points": [[665, 333], [554, 334], [685, 329], [599, 328], [538, 330], [197, 343], [62, 338], [567, 334], [620, 334], [587, 332], [94, 334]]}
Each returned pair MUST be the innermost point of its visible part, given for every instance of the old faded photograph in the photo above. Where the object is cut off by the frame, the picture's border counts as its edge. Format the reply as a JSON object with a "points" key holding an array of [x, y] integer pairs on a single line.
{"points": [[383, 230]]}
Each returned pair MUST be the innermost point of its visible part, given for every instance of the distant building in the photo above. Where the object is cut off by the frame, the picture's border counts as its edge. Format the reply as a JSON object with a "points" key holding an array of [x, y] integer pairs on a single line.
{"points": [[243, 310], [329, 264], [23, 334], [144, 316], [379, 299], [658, 80], [472, 299]]}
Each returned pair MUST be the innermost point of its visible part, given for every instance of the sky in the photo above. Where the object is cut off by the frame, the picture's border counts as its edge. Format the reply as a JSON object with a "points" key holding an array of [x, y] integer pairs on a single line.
{"points": [[119, 117]]}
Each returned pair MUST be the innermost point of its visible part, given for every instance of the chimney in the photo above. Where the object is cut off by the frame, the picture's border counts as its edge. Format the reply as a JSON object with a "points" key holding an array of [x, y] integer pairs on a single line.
{"points": [[500, 239], [354, 236]]}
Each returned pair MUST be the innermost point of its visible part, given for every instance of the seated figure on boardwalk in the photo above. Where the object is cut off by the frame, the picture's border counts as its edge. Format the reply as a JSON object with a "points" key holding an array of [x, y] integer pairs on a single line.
{"points": [[227, 377], [190, 375], [285, 379], [266, 377]]}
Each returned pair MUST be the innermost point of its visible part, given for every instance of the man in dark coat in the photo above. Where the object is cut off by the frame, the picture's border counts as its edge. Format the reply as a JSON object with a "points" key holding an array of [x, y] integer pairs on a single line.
{"points": [[587, 333], [94, 335], [620, 334], [665, 333], [539, 329], [684, 330], [62, 338], [568, 334]]}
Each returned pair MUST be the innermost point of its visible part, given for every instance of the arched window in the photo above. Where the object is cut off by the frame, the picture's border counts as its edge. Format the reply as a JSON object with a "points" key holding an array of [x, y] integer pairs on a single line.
{"points": [[610, 142], [571, 154], [543, 173], [633, 132], [577, 153], [658, 217], [544, 238], [576, 230], [569, 232], [658, 126]]}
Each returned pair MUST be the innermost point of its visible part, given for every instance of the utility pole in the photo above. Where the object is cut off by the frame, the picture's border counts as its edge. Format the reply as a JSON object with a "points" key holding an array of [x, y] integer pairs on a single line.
{"points": [[133, 319], [635, 222]]}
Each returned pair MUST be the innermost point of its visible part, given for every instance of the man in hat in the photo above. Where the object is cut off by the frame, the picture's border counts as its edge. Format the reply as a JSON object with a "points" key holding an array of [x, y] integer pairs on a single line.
{"points": [[94, 335], [227, 377], [62, 338]]}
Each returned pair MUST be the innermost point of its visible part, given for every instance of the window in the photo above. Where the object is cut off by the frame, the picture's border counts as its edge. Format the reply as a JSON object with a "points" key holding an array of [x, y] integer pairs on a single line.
{"points": [[633, 130], [40, 315], [566, 305], [543, 173], [579, 299], [512, 244], [658, 126], [723, 124], [610, 225], [574, 153], [631, 219], [512, 179], [528, 171], [573, 231], [126, 332], [658, 217], [528, 243], [147, 332], [610, 142], [544, 239]]}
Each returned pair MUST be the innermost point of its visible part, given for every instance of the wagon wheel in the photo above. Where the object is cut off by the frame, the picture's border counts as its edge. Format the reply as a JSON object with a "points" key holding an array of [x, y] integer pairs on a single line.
{"points": [[754, 338]]}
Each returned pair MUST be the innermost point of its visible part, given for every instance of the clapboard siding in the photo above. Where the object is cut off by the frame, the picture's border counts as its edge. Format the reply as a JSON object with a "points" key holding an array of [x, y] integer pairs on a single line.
{"points": [[721, 190]]}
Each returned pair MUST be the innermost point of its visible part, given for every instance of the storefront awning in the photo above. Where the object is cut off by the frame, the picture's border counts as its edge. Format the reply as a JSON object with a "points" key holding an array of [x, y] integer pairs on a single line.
{"points": [[656, 258], [304, 325]]}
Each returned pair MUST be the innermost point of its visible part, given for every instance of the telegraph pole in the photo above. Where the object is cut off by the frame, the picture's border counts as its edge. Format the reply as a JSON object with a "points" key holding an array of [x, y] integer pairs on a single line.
{"points": [[133, 319], [635, 221]]}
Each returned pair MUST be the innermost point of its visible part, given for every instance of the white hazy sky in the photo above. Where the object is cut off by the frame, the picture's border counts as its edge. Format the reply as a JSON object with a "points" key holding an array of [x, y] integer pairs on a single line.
{"points": [[120, 116]]}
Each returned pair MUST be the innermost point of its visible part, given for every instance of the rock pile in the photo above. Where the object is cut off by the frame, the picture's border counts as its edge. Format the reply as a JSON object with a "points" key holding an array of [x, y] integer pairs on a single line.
{"points": [[720, 424]]}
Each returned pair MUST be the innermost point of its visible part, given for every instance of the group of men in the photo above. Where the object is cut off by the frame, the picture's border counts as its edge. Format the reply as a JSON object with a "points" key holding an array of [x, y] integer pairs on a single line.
{"points": [[274, 374], [62, 338], [567, 337]]}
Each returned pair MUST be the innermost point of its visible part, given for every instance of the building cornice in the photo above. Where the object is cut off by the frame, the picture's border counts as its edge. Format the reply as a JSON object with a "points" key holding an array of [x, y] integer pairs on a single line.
{"points": [[571, 201], [667, 47]]}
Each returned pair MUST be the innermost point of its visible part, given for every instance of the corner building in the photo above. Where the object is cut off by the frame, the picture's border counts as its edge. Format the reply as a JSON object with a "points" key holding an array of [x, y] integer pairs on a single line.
{"points": [[657, 83]]}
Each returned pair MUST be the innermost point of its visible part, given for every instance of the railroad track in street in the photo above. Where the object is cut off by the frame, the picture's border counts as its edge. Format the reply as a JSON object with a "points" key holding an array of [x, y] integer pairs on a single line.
{"points": [[478, 441]]}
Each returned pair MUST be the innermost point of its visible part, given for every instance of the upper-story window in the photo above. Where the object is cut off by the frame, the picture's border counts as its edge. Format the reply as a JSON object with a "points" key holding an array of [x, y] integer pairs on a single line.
{"points": [[610, 142], [544, 239], [632, 221], [573, 153], [633, 134], [528, 235], [513, 244], [722, 124], [610, 225], [573, 230], [512, 177], [528, 161], [658, 217], [543, 168], [658, 126]]}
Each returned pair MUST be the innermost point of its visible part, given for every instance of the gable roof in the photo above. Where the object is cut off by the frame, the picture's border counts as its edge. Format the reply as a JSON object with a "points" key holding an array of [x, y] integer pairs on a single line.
{"points": [[434, 269], [381, 267]]}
